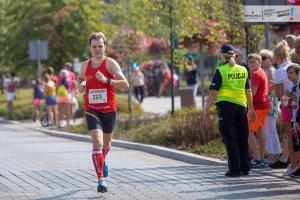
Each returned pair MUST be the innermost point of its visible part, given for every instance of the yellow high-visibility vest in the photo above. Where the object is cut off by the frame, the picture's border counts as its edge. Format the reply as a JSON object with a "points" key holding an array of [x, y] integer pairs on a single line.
{"points": [[233, 84]]}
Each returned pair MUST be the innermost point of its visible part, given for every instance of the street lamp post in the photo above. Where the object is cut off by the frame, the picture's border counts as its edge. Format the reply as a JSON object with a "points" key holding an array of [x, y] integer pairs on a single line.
{"points": [[127, 61], [172, 55]]}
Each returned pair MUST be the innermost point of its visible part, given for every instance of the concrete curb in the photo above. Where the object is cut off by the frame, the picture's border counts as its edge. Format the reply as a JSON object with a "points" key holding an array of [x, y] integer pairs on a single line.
{"points": [[153, 149]]}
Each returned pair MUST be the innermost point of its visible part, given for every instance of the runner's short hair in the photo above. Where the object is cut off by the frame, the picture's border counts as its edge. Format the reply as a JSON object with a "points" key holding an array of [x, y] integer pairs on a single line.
{"points": [[97, 36]]}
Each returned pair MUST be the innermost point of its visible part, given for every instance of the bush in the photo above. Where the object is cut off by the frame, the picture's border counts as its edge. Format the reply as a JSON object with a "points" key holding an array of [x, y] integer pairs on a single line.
{"points": [[214, 148], [157, 133], [189, 129], [184, 129]]}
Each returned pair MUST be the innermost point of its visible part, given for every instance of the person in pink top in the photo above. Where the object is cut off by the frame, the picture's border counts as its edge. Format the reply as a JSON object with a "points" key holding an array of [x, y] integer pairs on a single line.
{"points": [[11, 91], [283, 85], [261, 103], [73, 91]]}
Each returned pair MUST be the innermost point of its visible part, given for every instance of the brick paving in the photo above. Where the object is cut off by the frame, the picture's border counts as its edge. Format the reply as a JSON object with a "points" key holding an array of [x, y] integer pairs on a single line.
{"points": [[36, 166]]}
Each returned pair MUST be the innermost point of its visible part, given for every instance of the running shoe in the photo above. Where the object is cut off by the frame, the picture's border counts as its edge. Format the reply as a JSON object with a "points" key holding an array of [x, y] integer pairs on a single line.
{"points": [[101, 186], [296, 173], [289, 171], [105, 170], [257, 163], [279, 165]]}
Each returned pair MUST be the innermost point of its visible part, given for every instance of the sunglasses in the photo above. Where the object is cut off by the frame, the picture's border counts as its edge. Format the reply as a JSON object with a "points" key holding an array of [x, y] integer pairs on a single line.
{"points": [[265, 57], [252, 61]]}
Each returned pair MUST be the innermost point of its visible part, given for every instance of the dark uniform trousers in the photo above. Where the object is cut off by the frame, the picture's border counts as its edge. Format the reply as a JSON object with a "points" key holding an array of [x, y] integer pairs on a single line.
{"points": [[233, 126]]}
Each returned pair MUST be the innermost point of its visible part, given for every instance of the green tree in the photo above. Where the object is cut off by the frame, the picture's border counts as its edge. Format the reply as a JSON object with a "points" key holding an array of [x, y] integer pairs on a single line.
{"points": [[209, 19], [65, 24]]}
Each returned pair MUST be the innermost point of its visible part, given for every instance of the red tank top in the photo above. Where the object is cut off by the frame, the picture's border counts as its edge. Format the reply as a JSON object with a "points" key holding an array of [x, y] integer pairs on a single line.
{"points": [[99, 96]]}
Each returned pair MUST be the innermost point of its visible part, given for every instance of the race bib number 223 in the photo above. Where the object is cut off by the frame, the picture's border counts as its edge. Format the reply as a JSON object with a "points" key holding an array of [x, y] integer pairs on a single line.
{"points": [[97, 96]]}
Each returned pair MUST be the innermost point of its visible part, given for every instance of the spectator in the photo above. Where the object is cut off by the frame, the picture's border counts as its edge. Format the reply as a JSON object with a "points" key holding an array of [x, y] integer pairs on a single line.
{"points": [[38, 94], [11, 91], [63, 97], [261, 104], [292, 73], [239, 57], [51, 75], [50, 98], [272, 138], [190, 71], [295, 53], [138, 82], [73, 91], [290, 39], [165, 85], [283, 85]]}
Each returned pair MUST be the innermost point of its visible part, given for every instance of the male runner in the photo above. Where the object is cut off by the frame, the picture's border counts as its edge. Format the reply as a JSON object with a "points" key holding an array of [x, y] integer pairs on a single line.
{"points": [[97, 78]]}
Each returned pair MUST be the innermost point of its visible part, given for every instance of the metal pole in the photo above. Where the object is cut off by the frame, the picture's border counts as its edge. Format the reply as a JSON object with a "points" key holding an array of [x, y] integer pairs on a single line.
{"points": [[201, 67], [38, 58], [128, 66], [267, 32], [247, 40], [172, 56]]}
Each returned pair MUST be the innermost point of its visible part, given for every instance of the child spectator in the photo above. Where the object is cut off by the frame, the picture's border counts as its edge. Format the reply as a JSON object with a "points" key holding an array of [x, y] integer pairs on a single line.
{"points": [[38, 94]]}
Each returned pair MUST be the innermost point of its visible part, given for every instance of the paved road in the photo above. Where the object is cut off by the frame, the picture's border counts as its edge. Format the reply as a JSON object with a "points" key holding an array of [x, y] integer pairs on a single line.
{"points": [[37, 166], [162, 105]]}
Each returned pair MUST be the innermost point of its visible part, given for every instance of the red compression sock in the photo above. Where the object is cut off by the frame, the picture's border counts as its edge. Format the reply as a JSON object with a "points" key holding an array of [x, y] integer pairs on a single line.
{"points": [[98, 160]]}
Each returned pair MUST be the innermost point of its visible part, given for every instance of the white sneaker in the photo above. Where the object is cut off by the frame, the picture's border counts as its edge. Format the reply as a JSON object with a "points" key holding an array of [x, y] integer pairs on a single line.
{"points": [[289, 171], [61, 125], [37, 124]]}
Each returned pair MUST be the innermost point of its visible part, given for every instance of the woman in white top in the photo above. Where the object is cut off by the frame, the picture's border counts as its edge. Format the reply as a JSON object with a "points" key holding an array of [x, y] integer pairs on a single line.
{"points": [[282, 86], [272, 139]]}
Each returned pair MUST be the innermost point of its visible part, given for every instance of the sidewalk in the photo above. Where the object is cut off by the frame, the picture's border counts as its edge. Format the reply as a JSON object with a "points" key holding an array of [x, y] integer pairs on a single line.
{"points": [[37, 166], [162, 105]]}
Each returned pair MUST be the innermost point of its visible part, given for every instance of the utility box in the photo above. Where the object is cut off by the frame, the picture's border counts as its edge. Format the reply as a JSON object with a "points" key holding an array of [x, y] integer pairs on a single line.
{"points": [[186, 97]]}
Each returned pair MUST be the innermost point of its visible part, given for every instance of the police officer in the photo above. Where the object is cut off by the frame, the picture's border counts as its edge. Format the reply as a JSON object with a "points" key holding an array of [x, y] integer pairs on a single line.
{"points": [[231, 93]]}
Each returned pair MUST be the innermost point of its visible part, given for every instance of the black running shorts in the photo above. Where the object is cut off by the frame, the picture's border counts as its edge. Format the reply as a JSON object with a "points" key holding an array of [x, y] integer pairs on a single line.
{"points": [[98, 120]]}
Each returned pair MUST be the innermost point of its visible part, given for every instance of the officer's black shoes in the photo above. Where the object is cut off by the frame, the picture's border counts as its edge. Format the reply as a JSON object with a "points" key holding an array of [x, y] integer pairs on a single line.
{"points": [[245, 173], [230, 174]]}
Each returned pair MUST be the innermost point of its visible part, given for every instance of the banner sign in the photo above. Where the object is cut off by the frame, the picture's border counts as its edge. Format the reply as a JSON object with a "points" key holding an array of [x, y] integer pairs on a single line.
{"points": [[267, 13]]}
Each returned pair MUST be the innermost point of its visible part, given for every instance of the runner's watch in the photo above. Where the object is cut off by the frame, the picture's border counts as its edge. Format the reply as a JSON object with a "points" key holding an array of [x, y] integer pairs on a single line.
{"points": [[108, 80]]}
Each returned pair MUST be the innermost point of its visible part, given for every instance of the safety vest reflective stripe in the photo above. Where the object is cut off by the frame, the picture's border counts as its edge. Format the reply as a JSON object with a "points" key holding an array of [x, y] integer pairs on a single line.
{"points": [[232, 93]]}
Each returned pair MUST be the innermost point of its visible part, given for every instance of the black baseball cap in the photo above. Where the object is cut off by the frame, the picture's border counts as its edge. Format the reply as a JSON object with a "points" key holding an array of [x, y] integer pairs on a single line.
{"points": [[227, 48]]}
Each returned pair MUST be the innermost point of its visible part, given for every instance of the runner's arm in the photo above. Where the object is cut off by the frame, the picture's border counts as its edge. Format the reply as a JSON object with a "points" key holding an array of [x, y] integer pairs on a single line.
{"points": [[120, 80], [81, 78]]}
